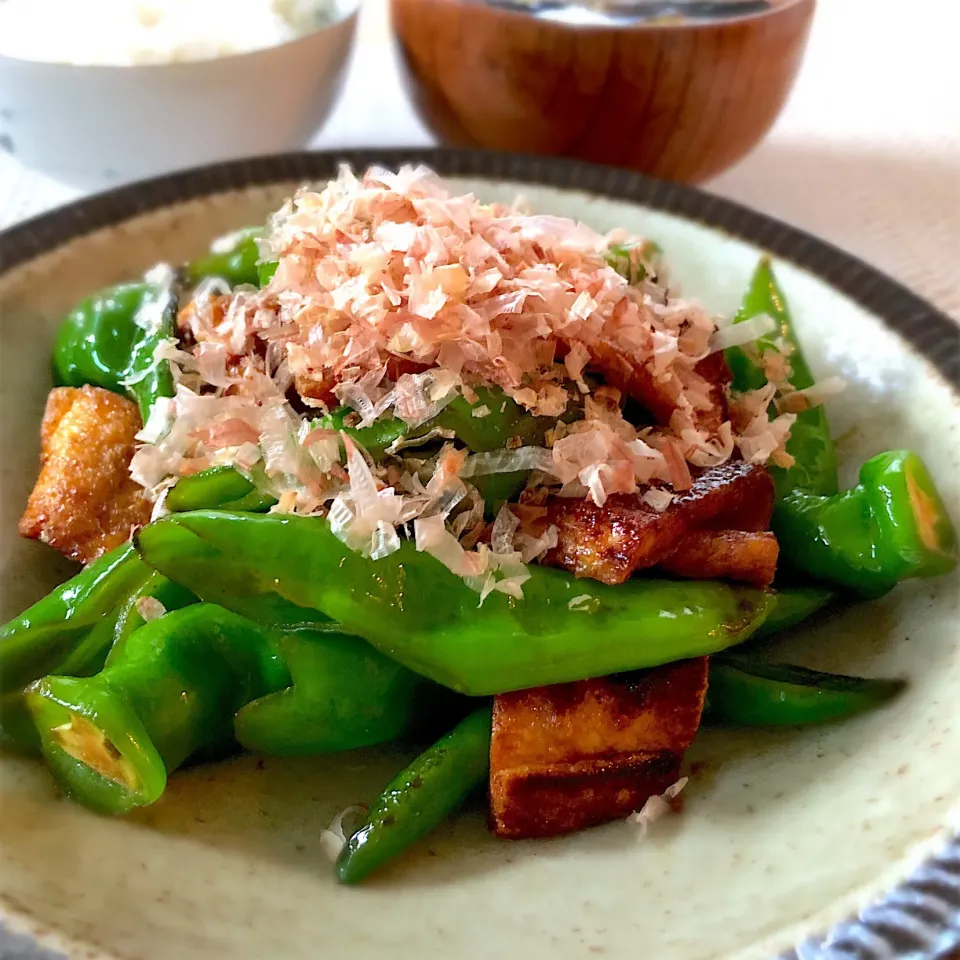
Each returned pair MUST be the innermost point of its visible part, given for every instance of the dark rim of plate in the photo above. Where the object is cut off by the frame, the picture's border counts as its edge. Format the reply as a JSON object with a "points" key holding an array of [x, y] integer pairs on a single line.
{"points": [[920, 918]]}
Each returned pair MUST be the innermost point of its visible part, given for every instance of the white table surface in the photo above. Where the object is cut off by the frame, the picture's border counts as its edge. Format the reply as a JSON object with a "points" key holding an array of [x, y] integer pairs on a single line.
{"points": [[866, 154]]}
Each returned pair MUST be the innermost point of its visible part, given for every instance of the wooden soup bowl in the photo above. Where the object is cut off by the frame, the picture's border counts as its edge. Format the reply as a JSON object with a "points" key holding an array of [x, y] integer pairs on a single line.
{"points": [[681, 101]]}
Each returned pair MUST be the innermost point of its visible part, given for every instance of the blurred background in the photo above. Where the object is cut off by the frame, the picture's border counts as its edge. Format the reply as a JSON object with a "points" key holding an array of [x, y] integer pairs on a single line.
{"points": [[865, 150]]}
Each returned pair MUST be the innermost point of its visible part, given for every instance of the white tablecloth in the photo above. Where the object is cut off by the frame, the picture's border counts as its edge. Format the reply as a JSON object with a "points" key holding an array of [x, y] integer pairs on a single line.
{"points": [[866, 154]]}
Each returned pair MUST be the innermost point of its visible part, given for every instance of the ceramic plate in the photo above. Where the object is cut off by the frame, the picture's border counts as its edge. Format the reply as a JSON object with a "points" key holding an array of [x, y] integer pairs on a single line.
{"points": [[785, 835]]}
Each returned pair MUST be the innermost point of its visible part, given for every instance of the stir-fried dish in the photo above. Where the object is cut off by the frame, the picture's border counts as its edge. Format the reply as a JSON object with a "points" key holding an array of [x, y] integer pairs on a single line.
{"points": [[401, 464]]}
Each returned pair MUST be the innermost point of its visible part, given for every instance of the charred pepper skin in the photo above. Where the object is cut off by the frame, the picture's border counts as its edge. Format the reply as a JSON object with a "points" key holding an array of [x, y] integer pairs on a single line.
{"points": [[415, 611], [420, 798]]}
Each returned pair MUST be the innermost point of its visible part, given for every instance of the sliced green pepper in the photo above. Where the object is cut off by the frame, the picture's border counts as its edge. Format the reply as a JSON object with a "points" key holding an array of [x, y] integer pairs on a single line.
{"points": [[420, 798], [110, 341], [222, 487], [749, 692], [815, 467], [51, 632], [345, 694], [111, 739], [794, 605], [893, 525], [235, 260], [414, 610]]}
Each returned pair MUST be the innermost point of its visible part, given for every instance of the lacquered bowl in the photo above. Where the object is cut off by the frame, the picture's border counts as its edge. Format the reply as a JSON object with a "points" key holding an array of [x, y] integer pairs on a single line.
{"points": [[784, 834], [679, 101]]}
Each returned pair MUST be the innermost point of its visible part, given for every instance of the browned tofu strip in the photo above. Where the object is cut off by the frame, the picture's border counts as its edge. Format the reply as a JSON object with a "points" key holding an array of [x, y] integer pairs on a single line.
{"points": [[84, 502], [609, 543], [725, 555], [574, 755], [634, 379]]}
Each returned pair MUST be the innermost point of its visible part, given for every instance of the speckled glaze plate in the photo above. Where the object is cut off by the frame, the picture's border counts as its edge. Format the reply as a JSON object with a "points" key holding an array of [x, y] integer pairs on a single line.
{"points": [[785, 835]]}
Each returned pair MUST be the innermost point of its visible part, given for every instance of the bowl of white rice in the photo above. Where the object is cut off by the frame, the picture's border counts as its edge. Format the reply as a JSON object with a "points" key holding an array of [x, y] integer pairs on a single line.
{"points": [[106, 91]]}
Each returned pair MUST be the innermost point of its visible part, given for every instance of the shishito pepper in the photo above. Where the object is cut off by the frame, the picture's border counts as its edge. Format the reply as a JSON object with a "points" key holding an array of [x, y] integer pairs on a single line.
{"points": [[810, 444], [222, 487], [170, 595], [502, 419], [748, 692], [344, 694], [111, 739], [171, 691], [794, 605], [414, 610], [57, 629], [234, 258], [891, 526], [110, 340], [420, 797]]}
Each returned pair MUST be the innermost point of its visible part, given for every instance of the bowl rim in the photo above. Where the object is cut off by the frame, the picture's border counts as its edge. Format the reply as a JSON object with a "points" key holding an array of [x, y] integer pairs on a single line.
{"points": [[344, 10], [920, 916], [779, 7]]}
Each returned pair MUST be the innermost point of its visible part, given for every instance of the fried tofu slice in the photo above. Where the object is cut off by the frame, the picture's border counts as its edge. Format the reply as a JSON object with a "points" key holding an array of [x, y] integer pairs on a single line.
{"points": [[611, 542], [725, 555], [574, 755], [635, 379], [85, 502]]}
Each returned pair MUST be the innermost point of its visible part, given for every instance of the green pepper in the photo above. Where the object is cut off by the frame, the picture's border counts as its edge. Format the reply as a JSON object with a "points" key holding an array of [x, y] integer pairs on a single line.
{"points": [[344, 695], [223, 487], [374, 438], [420, 797], [266, 270], [18, 733], [893, 525], [55, 629], [414, 610], [505, 420], [111, 739], [631, 260], [794, 605], [749, 692], [110, 340], [499, 488], [810, 444], [172, 596], [234, 260]]}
